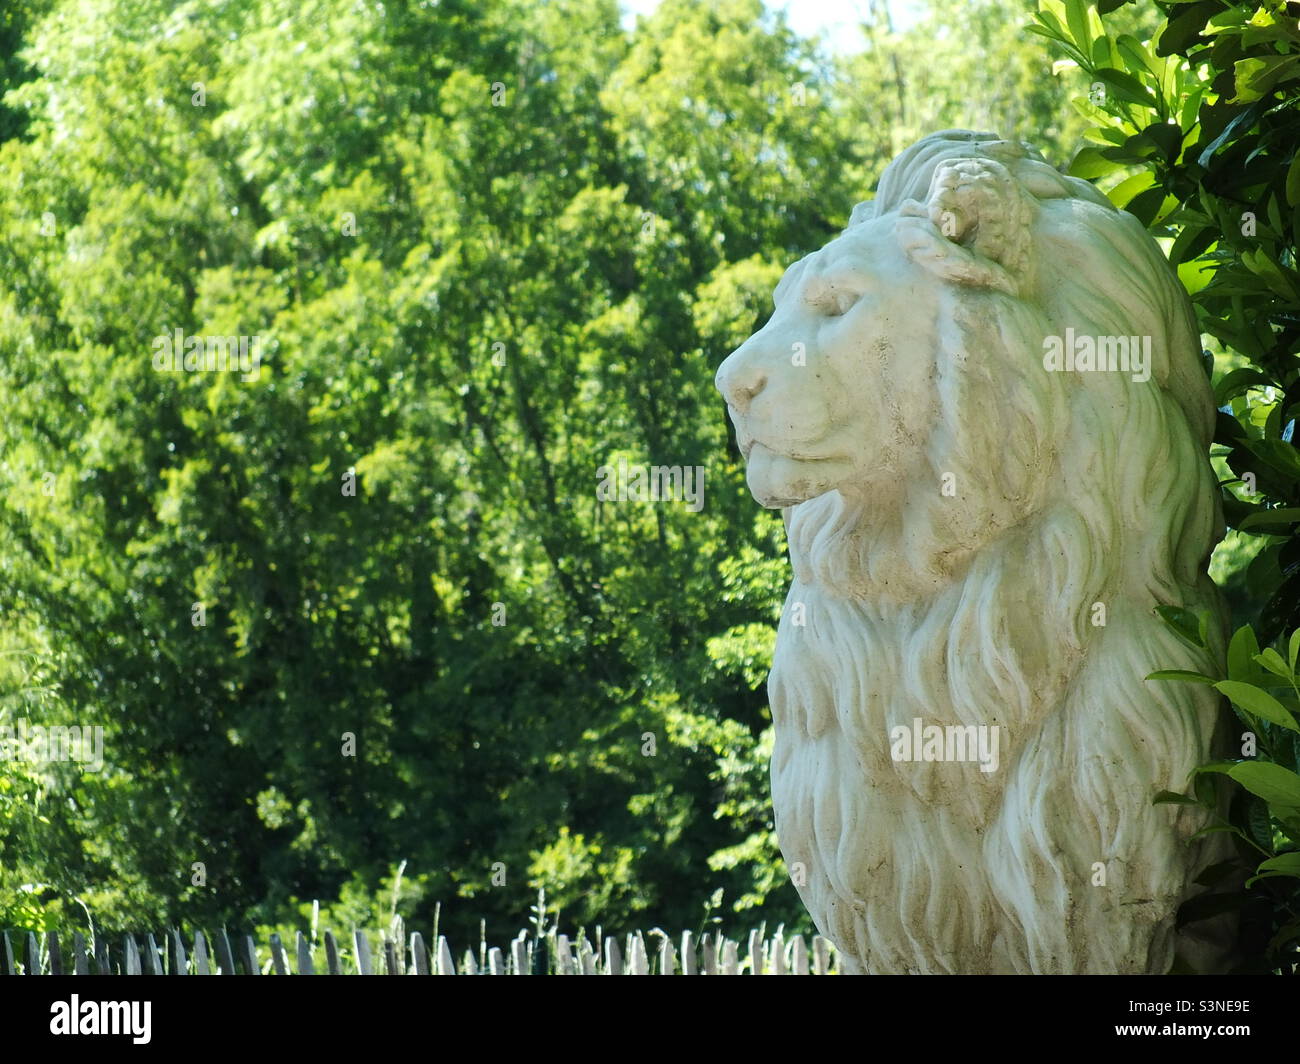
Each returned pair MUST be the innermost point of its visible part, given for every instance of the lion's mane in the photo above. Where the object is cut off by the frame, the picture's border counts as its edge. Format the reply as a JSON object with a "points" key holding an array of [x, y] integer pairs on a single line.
{"points": [[1081, 498]]}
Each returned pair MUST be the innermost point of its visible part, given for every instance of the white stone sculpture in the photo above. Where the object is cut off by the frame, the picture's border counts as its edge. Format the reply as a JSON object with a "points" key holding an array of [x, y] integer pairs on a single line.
{"points": [[983, 414]]}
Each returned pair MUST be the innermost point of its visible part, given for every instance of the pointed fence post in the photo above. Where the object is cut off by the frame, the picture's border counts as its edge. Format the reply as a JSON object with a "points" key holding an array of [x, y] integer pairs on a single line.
{"points": [[709, 954], [248, 954], [332, 963], [667, 957], [821, 956], [689, 966], [303, 950], [799, 955], [361, 950], [178, 962], [152, 965], [447, 964], [132, 962], [225, 955], [201, 966], [419, 955]]}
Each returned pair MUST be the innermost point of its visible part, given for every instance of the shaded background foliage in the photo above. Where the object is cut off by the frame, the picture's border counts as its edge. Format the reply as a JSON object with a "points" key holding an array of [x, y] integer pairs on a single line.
{"points": [[471, 307]]}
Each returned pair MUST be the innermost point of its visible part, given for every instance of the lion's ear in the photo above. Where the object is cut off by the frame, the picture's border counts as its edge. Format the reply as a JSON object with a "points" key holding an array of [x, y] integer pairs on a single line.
{"points": [[983, 218]]}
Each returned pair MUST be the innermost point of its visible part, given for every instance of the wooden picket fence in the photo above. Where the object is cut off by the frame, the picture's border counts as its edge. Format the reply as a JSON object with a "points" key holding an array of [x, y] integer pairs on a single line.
{"points": [[25, 953]]}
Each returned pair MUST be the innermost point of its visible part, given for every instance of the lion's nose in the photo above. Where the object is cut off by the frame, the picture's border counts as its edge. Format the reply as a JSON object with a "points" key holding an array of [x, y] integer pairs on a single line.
{"points": [[739, 380]]}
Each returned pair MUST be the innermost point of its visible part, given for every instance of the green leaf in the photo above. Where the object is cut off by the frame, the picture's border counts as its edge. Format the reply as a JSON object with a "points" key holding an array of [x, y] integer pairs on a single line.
{"points": [[1218, 829], [1221, 767], [1293, 182], [1124, 192], [1275, 784], [1185, 675], [1076, 15], [1089, 163], [1259, 823], [1127, 87], [1274, 662], [1287, 864], [1255, 77], [1184, 623], [1240, 124], [1173, 798], [1261, 263], [1257, 702], [1293, 649], [1287, 515], [1238, 381]]}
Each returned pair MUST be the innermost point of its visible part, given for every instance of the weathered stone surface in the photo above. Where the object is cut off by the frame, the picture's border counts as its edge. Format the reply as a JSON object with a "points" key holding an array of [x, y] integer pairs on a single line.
{"points": [[984, 501]]}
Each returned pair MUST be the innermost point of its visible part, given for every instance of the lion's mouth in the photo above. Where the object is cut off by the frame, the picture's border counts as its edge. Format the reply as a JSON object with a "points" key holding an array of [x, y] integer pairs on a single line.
{"points": [[745, 442]]}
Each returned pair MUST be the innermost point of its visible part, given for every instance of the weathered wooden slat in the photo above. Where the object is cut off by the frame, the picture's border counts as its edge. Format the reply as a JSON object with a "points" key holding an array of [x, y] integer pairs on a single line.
{"points": [[391, 965], [667, 957], [201, 965], [361, 952], [799, 956], [7, 959], [689, 967], [303, 949], [446, 965], [496, 961], [248, 955], [79, 965], [279, 962], [468, 967], [709, 954], [587, 959], [152, 963], [178, 963], [778, 955], [821, 956], [730, 958], [54, 955], [613, 958], [539, 959], [225, 955], [564, 962], [332, 965], [132, 955], [32, 956], [419, 955], [519, 956], [755, 953], [103, 956]]}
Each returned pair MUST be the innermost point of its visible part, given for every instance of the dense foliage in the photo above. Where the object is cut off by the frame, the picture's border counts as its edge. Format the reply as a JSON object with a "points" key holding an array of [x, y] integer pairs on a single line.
{"points": [[359, 625]]}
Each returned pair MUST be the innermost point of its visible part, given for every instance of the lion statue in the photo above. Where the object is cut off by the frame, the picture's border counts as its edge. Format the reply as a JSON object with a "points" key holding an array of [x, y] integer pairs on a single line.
{"points": [[985, 495]]}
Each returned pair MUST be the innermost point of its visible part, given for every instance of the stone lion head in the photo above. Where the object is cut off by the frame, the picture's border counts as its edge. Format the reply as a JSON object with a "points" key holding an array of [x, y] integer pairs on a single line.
{"points": [[978, 534]]}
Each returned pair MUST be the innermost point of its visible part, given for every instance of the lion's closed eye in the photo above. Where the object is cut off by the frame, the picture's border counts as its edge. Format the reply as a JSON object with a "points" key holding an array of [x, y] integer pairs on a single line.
{"points": [[832, 300]]}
